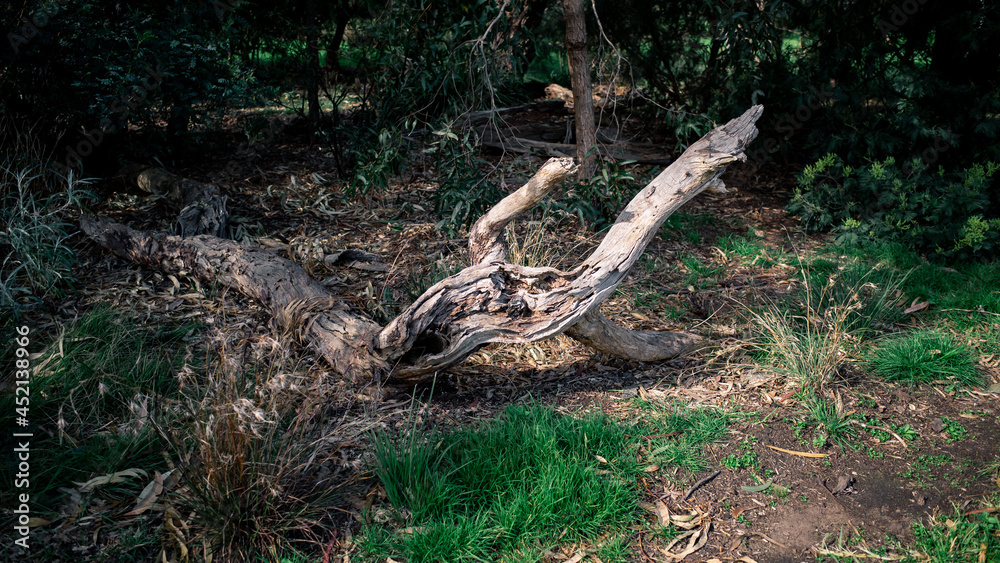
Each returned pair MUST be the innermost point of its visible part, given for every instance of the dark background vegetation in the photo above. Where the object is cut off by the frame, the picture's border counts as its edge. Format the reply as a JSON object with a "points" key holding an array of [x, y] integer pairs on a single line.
{"points": [[909, 87]]}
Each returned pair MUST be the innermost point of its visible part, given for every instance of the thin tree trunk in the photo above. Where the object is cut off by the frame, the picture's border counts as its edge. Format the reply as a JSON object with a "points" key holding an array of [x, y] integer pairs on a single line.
{"points": [[583, 93], [312, 60], [345, 10]]}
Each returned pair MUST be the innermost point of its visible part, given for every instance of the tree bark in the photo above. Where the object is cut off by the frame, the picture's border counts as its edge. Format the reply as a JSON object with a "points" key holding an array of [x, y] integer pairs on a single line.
{"points": [[490, 301], [583, 93], [201, 207]]}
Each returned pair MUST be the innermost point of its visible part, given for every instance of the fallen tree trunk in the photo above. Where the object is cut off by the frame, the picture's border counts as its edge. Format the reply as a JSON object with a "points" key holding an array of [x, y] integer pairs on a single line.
{"points": [[490, 301], [201, 207]]}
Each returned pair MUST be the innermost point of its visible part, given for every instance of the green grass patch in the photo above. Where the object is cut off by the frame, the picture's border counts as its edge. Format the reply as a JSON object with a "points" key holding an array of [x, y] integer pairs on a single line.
{"points": [[923, 356], [962, 296], [957, 537], [510, 488], [747, 246], [686, 226], [699, 274], [95, 392]]}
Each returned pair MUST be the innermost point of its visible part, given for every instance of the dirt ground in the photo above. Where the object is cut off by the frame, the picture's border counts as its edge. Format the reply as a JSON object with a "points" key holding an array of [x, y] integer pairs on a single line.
{"points": [[859, 495]]}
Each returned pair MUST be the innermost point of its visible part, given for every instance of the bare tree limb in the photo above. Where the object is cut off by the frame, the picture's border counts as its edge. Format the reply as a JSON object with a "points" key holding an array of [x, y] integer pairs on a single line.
{"points": [[490, 301]]}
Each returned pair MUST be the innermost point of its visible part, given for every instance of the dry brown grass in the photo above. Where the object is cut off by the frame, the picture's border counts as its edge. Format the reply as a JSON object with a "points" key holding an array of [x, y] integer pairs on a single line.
{"points": [[261, 472]]}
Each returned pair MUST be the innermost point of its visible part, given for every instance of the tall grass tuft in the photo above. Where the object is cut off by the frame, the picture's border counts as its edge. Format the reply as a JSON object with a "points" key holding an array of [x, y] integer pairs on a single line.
{"points": [[35, 234], [837, 308], [257, 477], [806, 352], [924, 356]]}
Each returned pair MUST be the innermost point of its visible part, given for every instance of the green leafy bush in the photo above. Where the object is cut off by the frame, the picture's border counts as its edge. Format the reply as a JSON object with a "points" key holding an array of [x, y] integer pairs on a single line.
{"points": [[598, 201], [96, 73], [948, 214]]}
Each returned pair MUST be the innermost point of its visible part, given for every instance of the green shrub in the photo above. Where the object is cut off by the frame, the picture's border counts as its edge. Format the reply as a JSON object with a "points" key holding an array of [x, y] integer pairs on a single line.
{"points": [[38, 260], [598, 201], [463, 193], [948, 214]]}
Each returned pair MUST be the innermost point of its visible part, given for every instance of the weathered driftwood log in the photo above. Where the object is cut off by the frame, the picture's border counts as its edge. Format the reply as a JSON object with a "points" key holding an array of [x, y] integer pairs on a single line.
{"points": [[490, 301], [202, 208]]}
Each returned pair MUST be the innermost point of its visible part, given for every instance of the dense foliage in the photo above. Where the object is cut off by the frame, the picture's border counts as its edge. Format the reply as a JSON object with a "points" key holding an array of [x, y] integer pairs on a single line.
{"points": [[79, 74], [866, 81], [939, 213]]}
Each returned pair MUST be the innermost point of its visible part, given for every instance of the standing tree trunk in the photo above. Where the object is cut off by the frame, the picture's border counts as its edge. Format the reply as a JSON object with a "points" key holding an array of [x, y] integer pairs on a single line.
{"points": [[312, 60], [583, 92]]}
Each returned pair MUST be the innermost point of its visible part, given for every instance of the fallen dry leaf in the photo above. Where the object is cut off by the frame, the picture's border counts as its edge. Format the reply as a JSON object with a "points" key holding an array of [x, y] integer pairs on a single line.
{"points": [[793, 452], [663, 513], [116, 477], [148, 495]]}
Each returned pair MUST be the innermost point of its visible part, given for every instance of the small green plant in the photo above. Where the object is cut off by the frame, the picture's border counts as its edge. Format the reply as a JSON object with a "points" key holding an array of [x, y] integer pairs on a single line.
{"points": [[829, 421], [746, 460], [924, 356], [377, 156], [871, 452], [922, 466], [954, 429]]}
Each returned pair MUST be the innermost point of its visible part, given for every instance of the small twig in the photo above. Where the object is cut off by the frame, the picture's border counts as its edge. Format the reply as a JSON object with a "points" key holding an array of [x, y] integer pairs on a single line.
{"points": [[700, 484], [770, 539], [872, 427], [643, 550]]}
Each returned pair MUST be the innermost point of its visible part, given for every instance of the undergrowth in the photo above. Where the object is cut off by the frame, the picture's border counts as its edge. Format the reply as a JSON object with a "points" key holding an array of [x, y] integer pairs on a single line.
{"points": [[513, 487]]}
